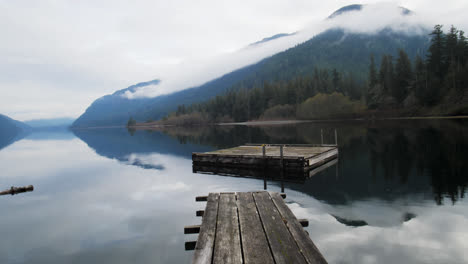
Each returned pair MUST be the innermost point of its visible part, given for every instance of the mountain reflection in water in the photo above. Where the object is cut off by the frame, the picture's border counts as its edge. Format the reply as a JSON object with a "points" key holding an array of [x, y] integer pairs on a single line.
{"points": [[395, 195]]}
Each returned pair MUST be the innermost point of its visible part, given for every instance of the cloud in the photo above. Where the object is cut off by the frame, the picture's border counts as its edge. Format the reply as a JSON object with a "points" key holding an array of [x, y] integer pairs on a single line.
{"points": [[59, 56], [371, 19]]}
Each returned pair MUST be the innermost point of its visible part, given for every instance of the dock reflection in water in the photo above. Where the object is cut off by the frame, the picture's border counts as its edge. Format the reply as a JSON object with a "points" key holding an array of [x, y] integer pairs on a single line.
{"points": [[397, 194]]}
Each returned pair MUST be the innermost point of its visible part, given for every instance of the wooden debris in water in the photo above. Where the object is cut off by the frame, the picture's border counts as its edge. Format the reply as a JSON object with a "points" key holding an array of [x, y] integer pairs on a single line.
{"points": [[14, 190]]}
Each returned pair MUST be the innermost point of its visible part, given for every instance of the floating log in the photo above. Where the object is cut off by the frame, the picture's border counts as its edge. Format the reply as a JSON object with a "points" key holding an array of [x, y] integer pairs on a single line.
{"points": [[14, 190]]}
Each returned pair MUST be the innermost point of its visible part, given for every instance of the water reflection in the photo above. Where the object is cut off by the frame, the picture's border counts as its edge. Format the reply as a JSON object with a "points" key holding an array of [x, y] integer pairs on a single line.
{"points": [[136, 148], [385, 159], [396, 194]]}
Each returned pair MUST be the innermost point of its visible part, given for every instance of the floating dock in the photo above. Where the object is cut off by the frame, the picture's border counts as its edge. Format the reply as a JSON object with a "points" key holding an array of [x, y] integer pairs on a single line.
{"points": [[267, 174], [287, 159], [250, 227]]}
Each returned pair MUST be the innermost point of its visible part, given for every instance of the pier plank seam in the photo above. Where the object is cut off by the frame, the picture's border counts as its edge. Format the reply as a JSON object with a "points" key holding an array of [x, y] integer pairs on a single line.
{"points": [[227, 247], [301, 237], [282, 243], [256, 247], [252, 227]]}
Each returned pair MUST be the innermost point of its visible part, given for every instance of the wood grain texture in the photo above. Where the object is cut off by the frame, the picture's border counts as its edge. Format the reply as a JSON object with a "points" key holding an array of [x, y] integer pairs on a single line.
{"points": [[251, 227], [227, 245], [254, 241], [305, 244], [282, 244], [206, 238], [295, 157]]}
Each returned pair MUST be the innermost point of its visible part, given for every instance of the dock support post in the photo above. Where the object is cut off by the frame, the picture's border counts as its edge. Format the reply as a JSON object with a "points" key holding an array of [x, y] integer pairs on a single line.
{"points": [[282, 168], [336, 138], [321, 136], [264, 167]]}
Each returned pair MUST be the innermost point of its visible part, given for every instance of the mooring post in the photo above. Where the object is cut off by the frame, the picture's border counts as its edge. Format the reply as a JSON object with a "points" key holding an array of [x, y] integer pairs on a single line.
{"points": [[321, 135], [336, 138], [282, 168], [264, 167]]}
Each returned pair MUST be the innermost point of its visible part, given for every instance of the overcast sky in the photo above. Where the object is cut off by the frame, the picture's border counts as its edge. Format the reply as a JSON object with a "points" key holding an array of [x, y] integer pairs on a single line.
{"points": [[58, 56]]}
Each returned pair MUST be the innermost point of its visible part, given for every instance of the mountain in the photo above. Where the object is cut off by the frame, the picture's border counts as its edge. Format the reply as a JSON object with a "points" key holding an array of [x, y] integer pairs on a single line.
{"points": [[53, 122], [11, 130], [357, 7], [134, 148], [265, 40], [348, 8], [334, 48], [115, 109]]}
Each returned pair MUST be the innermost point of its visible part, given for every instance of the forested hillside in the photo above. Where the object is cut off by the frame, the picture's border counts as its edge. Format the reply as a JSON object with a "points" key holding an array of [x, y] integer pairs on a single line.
{"points": [[336, 50], [10, 130], [401, 85]]}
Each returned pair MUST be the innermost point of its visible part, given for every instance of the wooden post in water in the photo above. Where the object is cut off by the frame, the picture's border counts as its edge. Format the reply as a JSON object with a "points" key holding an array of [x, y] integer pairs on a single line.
{"points": [[264, 167], [336, 138], [282, 168], [321, 136]]}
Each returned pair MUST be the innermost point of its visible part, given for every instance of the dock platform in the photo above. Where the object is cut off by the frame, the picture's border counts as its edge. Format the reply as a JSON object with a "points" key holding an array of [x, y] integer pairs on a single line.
{"points": [[251, 227], [290, 159]]}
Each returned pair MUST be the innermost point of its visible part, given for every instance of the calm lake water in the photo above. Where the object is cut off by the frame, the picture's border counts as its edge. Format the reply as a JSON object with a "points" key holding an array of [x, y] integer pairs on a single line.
{"points": [[396, 195]]}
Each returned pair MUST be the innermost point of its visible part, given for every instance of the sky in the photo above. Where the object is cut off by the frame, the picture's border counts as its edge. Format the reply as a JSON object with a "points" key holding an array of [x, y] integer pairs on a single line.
{"points": [[58, 56]]}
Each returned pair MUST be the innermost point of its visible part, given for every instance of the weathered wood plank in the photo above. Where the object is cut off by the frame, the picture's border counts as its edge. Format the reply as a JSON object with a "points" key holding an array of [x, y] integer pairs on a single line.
{"points": [[305, 244], [281, 242], [304, 222], [190, 245], [199, 212], [322, 158], [201, 198], [193, 229], [206, 239], [227, 245], [254, 241]]}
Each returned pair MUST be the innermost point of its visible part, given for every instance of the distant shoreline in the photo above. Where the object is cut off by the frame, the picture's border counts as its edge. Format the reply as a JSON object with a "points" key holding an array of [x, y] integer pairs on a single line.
{"points": [[292, 121]]}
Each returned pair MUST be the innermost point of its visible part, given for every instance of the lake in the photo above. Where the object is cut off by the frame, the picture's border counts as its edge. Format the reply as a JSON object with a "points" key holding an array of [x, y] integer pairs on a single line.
{"points": [[396, 194]]}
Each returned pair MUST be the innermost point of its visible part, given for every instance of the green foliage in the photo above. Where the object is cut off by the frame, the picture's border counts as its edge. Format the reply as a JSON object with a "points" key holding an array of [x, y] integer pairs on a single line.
{"points": [[328, 106], [279, 112], [194, 118], [372, 72], [436, 56], [272, 100], [403, 77], [284, 82], [443, 71]]}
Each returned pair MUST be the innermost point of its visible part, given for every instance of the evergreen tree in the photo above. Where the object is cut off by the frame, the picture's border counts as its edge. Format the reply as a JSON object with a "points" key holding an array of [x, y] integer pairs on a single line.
{"points": [[403, 76], [462, 49], [451, 45], [373, 80], [435, 58], [420, 80], [336, 80], [386, 74]]}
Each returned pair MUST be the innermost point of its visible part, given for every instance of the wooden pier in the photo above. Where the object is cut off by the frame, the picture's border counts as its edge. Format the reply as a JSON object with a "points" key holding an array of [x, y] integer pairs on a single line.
{"points": [[288, 159], [250, 227]]}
